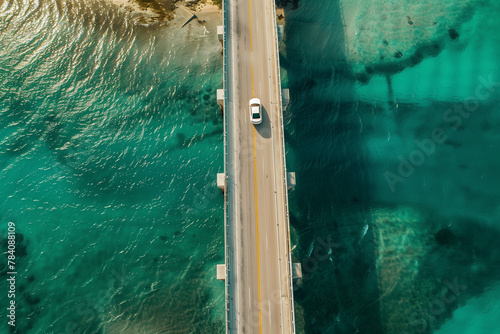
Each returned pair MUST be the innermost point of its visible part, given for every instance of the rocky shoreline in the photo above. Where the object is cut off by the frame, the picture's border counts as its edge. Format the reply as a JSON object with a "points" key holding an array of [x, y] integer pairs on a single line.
{"points": [[151, 11]]}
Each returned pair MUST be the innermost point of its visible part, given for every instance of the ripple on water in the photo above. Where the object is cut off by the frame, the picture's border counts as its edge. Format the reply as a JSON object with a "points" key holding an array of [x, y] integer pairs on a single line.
{"points": [[108, 129]]}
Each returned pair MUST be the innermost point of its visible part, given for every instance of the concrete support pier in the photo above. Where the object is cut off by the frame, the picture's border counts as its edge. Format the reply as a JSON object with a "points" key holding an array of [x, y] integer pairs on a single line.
{"points": [[220, 98]]}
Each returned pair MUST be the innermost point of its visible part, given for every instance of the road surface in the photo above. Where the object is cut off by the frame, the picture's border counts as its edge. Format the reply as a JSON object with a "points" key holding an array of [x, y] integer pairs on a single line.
{"points": [[259, 282]]}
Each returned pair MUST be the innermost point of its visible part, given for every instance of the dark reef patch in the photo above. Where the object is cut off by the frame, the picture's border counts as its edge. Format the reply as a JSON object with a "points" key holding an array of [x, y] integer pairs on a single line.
{"points": [[398, 63], [28, 304], [445, 236], [21, 246], [163, 8], [453, 33], [293, 4]]}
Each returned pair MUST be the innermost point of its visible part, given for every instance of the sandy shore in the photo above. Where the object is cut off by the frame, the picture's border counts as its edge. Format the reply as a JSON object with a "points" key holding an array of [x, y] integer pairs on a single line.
{"points": [[204, 11]]}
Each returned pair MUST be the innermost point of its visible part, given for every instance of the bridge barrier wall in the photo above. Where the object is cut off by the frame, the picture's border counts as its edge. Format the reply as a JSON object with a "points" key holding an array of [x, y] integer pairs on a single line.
{"points": [[285, 174], [225, 108]]}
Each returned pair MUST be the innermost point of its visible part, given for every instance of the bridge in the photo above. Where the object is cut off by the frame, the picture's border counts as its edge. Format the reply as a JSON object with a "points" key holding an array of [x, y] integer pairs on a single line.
{"points": [[258, 266]]}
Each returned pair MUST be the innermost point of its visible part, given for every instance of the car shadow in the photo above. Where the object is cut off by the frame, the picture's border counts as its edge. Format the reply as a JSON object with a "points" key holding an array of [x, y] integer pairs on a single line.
{"points": [[264, 128]]}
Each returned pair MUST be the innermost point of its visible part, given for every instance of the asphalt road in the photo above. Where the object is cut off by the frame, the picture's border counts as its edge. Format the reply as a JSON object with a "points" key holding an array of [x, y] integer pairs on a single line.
{"points": [[260, 299]]}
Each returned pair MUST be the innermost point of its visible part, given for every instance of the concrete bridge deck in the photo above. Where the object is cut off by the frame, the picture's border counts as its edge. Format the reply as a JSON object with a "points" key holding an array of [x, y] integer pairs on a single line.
{"points": [[259, 293]]}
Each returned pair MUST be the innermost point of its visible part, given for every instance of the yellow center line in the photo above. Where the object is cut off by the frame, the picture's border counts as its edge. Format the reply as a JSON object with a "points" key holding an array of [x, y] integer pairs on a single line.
{"points": [[255, 175]]}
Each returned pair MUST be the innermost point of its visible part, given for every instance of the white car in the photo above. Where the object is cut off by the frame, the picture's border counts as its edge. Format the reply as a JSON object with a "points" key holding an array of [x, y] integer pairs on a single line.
{"points": [[255, 111]]}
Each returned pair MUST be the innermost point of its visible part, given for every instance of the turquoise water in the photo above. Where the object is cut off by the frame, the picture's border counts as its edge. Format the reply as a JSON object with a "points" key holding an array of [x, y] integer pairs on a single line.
{"points": [[394, 132], [110, 142], [111, 138]]}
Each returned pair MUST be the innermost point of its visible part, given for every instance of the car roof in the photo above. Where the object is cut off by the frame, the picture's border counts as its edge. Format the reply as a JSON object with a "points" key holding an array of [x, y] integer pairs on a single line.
{"points": [[254, 100]]}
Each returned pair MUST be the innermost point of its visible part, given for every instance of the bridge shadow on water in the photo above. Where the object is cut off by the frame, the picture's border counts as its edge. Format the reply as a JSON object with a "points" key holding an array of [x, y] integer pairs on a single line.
{"points": [[339, 292], [374, 261]]}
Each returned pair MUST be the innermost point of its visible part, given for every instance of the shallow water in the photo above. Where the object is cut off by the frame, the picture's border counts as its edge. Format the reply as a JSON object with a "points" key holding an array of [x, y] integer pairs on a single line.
{"points": [[110, 142]]}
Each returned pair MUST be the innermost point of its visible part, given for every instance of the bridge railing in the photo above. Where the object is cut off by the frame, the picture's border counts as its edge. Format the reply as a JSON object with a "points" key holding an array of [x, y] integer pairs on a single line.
{"points": [[285, 181], [226, 211]]}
